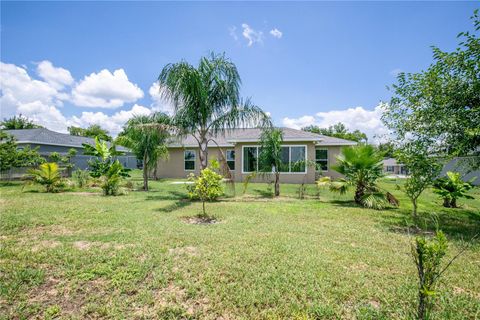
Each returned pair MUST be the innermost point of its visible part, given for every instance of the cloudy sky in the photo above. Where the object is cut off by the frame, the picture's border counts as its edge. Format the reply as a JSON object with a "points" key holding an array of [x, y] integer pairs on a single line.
{"points": [[306, 63]]}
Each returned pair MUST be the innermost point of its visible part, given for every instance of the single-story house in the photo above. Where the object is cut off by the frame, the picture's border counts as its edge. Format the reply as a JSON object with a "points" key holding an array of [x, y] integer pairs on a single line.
{"points": [[392, 167], [240, 148], [49, 141]]}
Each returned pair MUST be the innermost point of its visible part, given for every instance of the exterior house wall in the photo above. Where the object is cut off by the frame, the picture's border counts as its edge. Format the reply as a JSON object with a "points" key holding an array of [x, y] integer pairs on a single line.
{"points": [[173, 167], [80, 160]]}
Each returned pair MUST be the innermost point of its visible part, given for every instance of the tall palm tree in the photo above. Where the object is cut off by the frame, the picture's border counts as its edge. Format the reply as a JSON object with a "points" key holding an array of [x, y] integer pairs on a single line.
{"points": [[207, 100], [146, 136], [271, 156]]}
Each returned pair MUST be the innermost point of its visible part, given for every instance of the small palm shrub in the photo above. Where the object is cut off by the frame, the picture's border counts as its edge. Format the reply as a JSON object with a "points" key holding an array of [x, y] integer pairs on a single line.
{"points": [[451, 188], [81, 177], [110, 180], [361, 167], [205, 187], [47, 175]]}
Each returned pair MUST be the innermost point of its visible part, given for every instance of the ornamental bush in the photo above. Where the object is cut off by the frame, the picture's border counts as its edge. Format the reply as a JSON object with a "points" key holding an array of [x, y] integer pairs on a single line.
{"points": [[205, 187]]}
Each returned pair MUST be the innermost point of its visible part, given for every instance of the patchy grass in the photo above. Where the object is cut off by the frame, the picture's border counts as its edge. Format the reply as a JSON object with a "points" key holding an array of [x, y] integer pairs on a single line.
{"points": [[74, 255]]}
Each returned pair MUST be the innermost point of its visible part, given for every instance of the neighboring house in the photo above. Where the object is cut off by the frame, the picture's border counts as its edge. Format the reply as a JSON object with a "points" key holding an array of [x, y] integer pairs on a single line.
{"points": [[392, 167], [49, 141], [241, 148]]}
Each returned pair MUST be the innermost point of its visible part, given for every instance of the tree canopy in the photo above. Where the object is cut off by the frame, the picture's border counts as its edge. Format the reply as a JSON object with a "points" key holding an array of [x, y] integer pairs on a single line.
{"points": [[207, 99], [338, 130], [18, 122], [440, 106], [92, 131]]}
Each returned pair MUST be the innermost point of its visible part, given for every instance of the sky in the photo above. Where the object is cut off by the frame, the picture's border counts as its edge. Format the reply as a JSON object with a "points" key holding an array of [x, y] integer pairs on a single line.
{"points": [[80, 63]]}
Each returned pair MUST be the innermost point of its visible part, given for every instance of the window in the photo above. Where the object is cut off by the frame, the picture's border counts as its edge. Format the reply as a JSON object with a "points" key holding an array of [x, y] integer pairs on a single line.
{"points": [[390, 169], [321, 159], [250, 156], [293, 159], [230, 155], [189, 157]]}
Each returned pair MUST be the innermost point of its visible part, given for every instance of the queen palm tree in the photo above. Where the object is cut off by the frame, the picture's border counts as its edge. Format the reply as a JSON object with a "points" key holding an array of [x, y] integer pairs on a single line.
{"points": [[207, 100], [146, 136], [270, 158]]}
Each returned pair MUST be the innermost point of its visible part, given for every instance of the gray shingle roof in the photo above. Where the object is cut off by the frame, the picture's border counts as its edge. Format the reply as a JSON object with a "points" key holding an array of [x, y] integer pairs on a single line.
{"points": [[253, 135], [47, 137]]}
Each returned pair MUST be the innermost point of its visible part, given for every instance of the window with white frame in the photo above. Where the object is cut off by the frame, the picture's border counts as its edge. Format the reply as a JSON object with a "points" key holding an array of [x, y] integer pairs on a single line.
{"points": [[230, 156], [189, 160], [293, 159], [390, 169], [321, 159]]}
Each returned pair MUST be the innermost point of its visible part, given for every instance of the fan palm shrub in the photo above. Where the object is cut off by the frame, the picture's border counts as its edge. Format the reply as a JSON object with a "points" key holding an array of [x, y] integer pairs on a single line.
{"points": [[207, 100], [361, 167], [146, 136], [47, 175], [451, 188]]}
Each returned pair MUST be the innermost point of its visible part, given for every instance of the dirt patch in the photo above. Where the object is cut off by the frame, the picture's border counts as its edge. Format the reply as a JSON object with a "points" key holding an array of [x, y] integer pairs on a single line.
{"points": [[189, 251], [200, 220], [83, 245], [45, 244], [374, 304], [460, 291]]}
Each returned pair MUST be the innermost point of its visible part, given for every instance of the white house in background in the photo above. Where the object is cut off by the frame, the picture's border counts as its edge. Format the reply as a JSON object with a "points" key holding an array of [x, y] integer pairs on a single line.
{"points": [[392, 167]]}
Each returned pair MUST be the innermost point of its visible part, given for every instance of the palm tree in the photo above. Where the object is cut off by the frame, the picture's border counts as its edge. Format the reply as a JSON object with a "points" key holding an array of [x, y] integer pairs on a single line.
{"points": [[48, 175], [207, 100], [146, 136], [361, 167], [271, 156]]}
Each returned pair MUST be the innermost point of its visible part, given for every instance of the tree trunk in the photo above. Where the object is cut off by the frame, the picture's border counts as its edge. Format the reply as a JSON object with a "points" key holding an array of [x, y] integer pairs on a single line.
{"points": [[277, 184], [446, 203], [145, 173], [414, 203], [203, 207], [453, 203], [203, 153], [359, 193]]}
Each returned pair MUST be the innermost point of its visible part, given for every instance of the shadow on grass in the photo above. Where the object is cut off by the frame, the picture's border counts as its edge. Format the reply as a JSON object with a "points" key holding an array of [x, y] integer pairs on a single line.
{"points": [[458, 224], [263, 193], [175, 206], [167, 195]]}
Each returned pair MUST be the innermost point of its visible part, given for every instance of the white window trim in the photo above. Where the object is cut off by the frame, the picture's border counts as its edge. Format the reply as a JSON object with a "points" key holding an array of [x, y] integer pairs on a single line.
{"points": [[289, 157], [234, 160], [328, 162], [194, 160]]}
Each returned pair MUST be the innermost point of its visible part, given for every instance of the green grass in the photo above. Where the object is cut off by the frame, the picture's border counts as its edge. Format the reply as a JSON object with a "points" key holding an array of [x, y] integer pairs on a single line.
{"points": [[72, 255]]}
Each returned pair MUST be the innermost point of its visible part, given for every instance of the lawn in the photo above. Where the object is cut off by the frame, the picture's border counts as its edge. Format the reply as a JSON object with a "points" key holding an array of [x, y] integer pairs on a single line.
{"points": [[81, 255]]}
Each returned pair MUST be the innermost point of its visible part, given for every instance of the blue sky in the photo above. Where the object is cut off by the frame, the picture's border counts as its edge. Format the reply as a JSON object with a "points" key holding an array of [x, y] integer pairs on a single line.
{"points": [[67, 63]]}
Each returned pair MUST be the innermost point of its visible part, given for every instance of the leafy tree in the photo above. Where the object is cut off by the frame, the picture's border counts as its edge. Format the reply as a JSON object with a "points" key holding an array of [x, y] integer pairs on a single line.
{"points": [[64, 160], [104, 166], [146, 136], [207, 100], [18, 122], [440, 106], [270, 159], [92, 131], [386, 149], [81, 177], [361, 166], [13, 157], [423, 169], [206, 187], [111, 178], [48, 175], [451, 188], [338, 130]]}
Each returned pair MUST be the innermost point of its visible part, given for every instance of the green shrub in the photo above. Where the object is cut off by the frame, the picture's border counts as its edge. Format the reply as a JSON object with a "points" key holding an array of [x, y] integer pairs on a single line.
{"points": [[81, 177], [110, 180], [205, 187], [451, 188], [47, 175]]}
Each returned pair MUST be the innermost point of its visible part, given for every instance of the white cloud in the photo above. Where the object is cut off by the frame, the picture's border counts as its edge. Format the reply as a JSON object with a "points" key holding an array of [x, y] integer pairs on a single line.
{"points": [[276, 33], [251, 35], [55, 76], [233, 33], [105, 90], [368, 121], [159, 104], [113, 123], [41, 101]]}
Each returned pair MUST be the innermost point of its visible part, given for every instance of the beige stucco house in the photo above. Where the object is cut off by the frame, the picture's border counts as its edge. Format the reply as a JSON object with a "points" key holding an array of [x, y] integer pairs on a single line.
{"points": [[241, 147]]}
